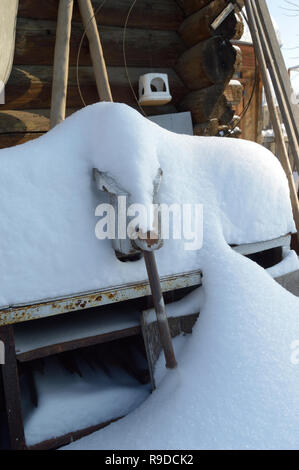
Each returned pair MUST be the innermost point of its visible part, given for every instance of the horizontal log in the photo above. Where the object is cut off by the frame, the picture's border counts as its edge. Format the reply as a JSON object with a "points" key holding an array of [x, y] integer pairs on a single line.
{"points": [[17, 138], [29, 86], [206, 129], [17, 126], [197, 26], [23, 121], [165, 15], [205, 104], [234, 92], [191, 6], [209, 62], [35, 41]]}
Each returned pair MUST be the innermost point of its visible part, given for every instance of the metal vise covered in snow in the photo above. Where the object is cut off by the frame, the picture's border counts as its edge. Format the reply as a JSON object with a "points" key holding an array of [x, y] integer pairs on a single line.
{"points": [[136, 242], [129, 240]]}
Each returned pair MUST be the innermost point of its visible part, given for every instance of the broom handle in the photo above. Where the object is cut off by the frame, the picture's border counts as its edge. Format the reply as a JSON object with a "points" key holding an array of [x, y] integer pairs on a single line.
{"points": [[61, 62], [96, 51]]}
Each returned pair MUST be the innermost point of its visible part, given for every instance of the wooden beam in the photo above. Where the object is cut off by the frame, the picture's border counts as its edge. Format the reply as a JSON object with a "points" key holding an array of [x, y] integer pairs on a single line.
{"points": [[76, 344], [197, 26], [35, 41], [281, 83], [191, 6], [208, 103], [96, 51], [165, 15], [12, 392], [29, 86], [15, 138], [56, 442], [206, 129], [278, 64], [61, 62]]}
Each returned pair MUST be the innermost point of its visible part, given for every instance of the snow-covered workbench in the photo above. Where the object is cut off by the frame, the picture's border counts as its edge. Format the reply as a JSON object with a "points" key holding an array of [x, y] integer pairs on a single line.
{"points": [[29, 341]]}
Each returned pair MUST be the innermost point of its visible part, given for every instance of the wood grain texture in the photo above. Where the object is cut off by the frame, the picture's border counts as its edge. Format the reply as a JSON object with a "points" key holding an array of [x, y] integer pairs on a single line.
{"points": [[197, 26], [12, 390], [191, 6], [35, 41], [148, 14], [209, 62], [209, 103], [29, 86], [20, 126], [234, 92]]}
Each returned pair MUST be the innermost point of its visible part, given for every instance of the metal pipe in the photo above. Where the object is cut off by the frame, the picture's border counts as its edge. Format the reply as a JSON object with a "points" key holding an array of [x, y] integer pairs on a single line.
{"points": [[154, 280]]}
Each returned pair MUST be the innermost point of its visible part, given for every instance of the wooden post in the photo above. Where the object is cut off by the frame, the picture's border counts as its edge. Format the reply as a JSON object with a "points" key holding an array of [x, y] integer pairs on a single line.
{"points": [[96, 50], [279, 63], [283, 153], [61, 62], [12, 390], [280, 80]]}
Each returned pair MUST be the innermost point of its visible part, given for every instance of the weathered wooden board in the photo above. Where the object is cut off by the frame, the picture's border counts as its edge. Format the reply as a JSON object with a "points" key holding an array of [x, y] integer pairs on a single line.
{"points": [[29, 86], [148, 14], [35, 41], [12, 390], [8, 15]]}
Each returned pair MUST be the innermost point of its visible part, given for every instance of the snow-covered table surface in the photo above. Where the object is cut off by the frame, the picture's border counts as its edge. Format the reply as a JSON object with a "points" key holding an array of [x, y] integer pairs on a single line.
{"points": [[48, 246]]}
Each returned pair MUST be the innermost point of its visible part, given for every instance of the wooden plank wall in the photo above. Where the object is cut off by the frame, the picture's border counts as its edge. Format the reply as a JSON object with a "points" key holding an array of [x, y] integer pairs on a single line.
{"points": [[152, 44]]}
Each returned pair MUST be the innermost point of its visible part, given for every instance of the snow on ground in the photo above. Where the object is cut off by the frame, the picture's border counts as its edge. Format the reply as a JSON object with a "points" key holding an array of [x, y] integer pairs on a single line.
{"points": [[68, 402], [48, 246], [236, 386], [289, 264]]}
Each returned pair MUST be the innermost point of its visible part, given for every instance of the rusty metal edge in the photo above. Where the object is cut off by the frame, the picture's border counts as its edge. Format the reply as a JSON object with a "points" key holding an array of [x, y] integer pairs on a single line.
{"points": [[47, 308]]}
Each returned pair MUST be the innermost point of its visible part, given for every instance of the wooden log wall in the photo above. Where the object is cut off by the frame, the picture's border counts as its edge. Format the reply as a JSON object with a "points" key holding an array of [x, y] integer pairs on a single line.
{"points": [[152, 44], [209, 63], [157, 39]]}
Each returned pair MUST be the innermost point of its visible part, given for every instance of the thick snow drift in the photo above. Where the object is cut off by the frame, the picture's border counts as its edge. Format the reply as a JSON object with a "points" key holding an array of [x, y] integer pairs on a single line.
{"points": [[48, 246], [237, 383]]}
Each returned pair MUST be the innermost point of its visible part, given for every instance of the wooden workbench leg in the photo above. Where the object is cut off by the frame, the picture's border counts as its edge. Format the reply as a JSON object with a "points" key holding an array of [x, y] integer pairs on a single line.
{"points": [[12, 394]]}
